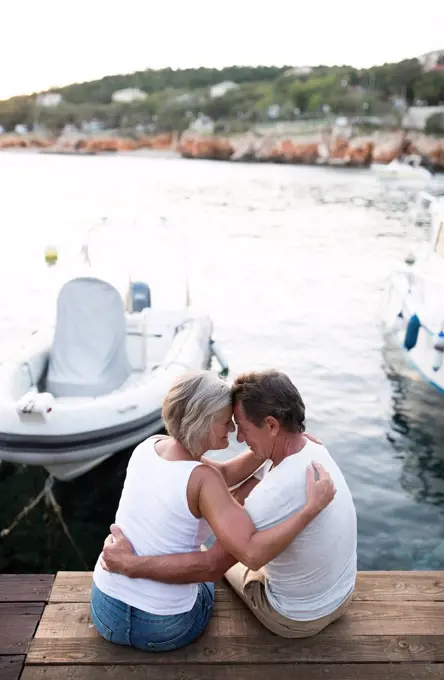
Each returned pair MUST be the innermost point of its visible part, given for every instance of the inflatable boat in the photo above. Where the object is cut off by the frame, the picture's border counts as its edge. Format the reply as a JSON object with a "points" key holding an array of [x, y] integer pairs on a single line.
{"points": [[94, 384]]}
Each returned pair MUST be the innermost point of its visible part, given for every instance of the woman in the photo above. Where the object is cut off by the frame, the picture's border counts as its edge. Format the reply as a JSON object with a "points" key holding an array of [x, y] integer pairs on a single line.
{"points": [[172, 503]]}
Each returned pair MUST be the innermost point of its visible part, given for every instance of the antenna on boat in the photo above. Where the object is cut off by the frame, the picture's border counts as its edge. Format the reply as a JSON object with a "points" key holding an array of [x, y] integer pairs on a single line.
{"points": [[187, 291], [187, 269]]}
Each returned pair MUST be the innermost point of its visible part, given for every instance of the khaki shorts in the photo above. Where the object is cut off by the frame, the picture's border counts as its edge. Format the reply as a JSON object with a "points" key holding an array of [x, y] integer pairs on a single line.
{"points": [[250, 586]]}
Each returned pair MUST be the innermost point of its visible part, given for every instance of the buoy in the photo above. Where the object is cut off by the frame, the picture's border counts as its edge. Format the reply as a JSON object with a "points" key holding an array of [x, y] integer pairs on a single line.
{"points": [[412, 331], [51, 255]]}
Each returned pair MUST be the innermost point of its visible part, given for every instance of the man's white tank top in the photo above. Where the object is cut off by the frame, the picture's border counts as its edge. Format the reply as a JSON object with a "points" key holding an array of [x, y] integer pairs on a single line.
{"points": [[154, 515]]}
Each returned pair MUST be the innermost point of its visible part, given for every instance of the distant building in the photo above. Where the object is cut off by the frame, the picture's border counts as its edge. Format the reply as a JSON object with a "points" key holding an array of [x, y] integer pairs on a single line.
{"points": [[129, 95], [92, 126], [21, 129], [49, 99], [185, 98], [203, 124], [69, 130], [39, 129], [273, 111], [417, 116], [432, 60], [298, 71], [221, 89], [399, 103]]}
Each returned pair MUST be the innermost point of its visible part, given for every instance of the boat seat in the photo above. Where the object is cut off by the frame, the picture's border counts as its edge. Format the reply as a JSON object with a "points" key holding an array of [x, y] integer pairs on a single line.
{"points": [[88, 356]]}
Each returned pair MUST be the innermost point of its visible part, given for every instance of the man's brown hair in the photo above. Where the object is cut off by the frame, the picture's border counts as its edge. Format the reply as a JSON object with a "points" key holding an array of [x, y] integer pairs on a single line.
{"points": [[270, 393]]}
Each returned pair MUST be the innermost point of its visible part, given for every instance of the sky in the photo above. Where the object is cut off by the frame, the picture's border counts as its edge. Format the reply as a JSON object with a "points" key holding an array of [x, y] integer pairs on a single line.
{"points": [[50, 43]]}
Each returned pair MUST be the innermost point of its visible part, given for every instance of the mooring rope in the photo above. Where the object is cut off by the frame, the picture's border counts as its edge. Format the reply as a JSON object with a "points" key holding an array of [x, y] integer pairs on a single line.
{"points": [[50, 500], [27, 509]]}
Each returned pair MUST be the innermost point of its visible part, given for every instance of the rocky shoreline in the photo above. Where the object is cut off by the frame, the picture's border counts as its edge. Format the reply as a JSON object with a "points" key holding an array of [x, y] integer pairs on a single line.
{"points": [[88, 144], [327, 148]]}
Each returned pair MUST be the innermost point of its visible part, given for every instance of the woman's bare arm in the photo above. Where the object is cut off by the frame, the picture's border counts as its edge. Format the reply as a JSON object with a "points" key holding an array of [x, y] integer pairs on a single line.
{"points": [[237, 469], [241, 467]]}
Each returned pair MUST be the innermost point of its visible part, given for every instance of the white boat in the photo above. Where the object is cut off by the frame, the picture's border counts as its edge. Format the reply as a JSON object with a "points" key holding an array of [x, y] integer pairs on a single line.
{"points": [[95, 383], [408, 169], [414, 309]]}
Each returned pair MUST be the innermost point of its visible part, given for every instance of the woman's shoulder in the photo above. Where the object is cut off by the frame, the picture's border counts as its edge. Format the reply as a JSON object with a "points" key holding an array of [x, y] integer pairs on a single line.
{"points": [[142, 450]]}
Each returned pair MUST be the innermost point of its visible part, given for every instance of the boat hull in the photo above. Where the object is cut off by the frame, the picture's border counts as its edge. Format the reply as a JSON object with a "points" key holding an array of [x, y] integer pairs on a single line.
{"points": [[77, 434], [422, 356]]}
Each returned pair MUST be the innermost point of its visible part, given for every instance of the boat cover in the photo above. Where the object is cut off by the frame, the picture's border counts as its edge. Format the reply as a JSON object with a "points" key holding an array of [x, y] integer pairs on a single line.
{"points": [[88, 356]]}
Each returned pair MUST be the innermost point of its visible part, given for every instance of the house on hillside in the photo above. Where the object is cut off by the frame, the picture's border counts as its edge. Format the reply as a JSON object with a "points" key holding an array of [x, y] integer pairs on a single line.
{"points": [[298, 71], [21, 129], [185, 98], [432, 61], [202, 124], [49, 99], [128, 95], [221, 89], [273, 111], [92, 127]]}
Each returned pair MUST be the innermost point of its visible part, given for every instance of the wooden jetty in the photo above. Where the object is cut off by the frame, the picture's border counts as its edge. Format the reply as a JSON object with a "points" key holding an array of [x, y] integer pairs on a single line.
{"points": [[394, 630]]}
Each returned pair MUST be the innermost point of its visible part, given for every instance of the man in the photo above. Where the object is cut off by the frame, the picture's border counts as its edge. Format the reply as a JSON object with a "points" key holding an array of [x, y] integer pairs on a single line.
{"points": [[309, 584]]}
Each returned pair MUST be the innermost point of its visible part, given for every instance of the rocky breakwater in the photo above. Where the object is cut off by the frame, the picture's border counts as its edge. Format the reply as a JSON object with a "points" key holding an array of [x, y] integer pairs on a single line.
{"points": [[24, 142], [88, 143], [336, 148]]}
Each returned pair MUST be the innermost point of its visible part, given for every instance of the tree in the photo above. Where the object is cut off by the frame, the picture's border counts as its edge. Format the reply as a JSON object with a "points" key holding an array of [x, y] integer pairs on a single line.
{"points": [[435, 124], [430, 88]]}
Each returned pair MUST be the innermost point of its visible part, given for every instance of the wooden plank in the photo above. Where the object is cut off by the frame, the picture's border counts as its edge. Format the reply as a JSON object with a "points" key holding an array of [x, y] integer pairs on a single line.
{"points": [[400, 585], [403, 671], [11, 667], [71, 586], [370, 586], [210, 649], [75, 586], [25, 587], [18, 623], [71, 620]]}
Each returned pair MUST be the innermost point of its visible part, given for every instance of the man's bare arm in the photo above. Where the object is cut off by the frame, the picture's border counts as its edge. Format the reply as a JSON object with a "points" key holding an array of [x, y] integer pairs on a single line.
{"points": [[193, 567]]}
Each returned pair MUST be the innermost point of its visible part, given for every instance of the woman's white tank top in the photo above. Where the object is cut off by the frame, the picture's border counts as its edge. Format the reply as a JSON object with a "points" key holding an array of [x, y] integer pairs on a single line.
{"points": [[154, 515]]}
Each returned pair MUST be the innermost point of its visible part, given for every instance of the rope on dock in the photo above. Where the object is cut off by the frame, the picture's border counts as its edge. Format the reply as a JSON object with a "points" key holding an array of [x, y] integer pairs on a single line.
{"points": [[50, 500]]}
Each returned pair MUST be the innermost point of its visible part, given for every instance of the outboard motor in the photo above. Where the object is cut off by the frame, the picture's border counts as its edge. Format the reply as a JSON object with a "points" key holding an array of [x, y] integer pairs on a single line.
{"points": [[140, 296]]}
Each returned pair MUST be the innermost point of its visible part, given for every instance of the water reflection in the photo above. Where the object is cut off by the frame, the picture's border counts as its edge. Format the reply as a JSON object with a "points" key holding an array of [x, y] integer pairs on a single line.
{"points": [[417, 430]]}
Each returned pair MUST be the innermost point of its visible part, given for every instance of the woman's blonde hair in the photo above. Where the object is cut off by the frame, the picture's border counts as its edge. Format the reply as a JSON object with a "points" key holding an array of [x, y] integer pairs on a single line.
{"points": [[190, 407]]}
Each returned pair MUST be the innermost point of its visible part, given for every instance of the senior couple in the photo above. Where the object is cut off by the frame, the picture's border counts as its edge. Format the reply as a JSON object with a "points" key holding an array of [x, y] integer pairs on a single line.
{"points": [[285, 536]]}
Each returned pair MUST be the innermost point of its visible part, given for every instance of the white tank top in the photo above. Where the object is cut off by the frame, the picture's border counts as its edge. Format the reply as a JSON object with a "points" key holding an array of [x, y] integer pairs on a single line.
{"points": [[154, 515], [313, 576]]}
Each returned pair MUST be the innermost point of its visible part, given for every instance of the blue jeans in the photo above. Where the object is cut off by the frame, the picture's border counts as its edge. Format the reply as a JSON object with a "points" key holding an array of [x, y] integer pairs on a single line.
{"points": [[124, 625]]}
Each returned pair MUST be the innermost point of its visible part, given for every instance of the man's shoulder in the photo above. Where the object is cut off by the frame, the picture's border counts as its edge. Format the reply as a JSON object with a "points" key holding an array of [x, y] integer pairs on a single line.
{"points": [[280, 493]]}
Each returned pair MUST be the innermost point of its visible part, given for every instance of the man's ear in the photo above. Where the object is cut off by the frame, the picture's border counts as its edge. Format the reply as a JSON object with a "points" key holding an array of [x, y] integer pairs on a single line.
{"points": [[273, 425]]}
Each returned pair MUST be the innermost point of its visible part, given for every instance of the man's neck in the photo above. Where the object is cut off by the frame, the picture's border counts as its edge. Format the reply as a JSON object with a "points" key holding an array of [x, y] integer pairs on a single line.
{"points": [[290, 444]]}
